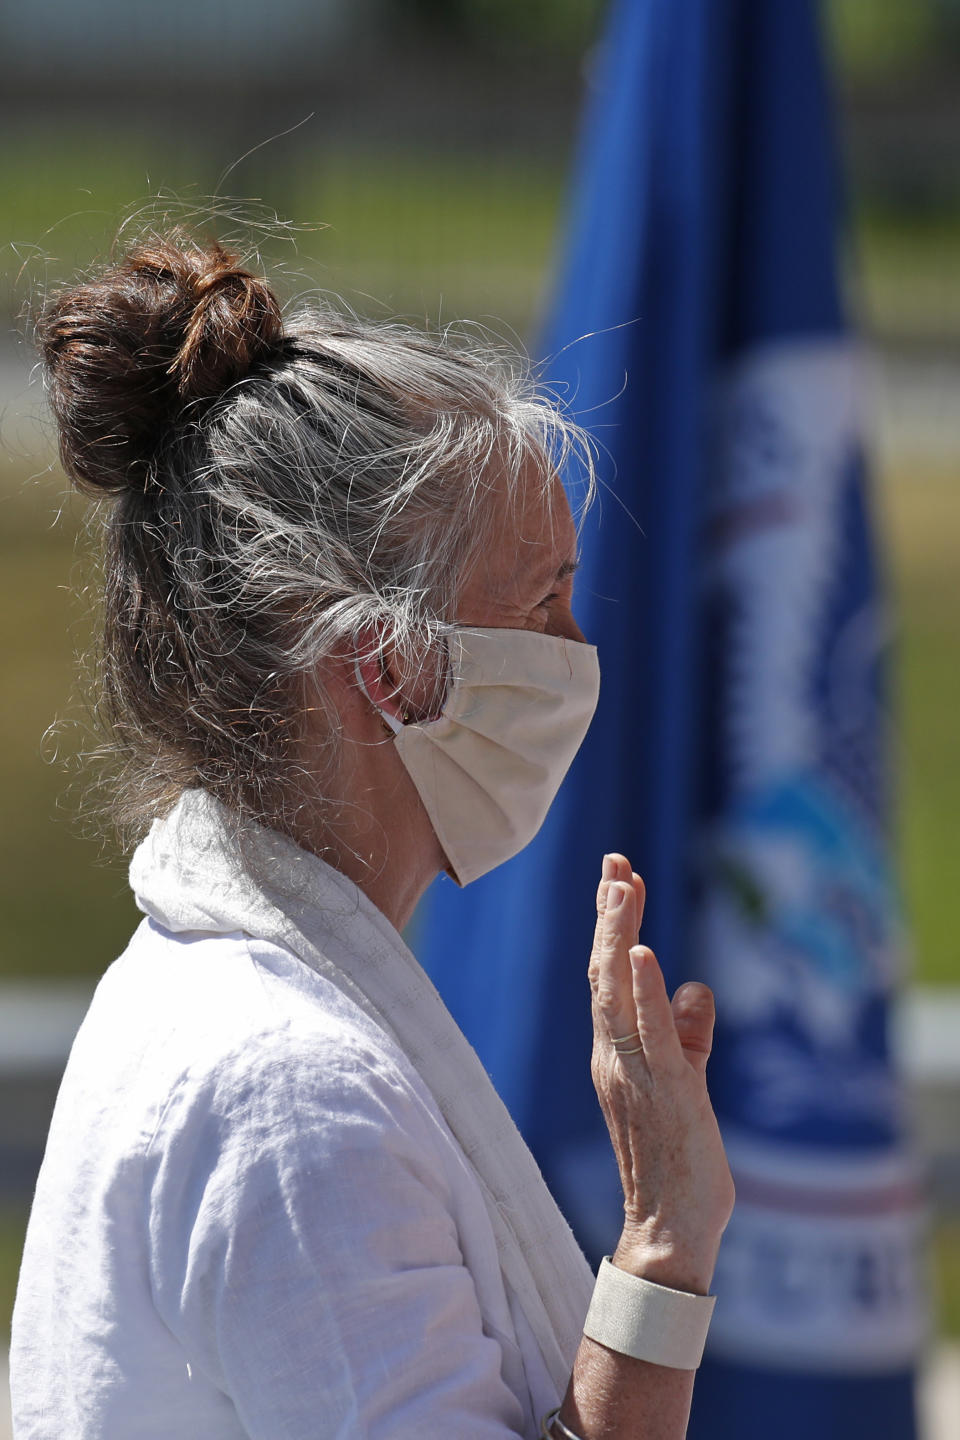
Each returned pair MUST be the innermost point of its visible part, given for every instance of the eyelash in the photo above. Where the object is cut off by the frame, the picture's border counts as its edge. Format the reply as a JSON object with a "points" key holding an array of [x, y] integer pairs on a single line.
{"points": [[554, 595]]}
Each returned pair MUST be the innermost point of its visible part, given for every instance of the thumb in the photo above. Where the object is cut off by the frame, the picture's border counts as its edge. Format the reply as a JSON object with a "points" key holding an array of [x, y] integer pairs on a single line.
{"points": [[693, 1014]]}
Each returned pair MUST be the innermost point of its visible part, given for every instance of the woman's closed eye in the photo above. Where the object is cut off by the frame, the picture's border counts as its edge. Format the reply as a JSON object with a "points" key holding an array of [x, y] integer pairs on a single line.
{"points": [[563, 585]]}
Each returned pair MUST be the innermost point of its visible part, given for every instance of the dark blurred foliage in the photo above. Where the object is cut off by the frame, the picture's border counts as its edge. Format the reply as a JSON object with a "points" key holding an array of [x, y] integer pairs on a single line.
{"points": [[558, 27]]}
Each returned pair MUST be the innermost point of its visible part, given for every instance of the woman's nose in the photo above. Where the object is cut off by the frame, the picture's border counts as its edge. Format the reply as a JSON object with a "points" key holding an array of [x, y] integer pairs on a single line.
{"points": [[566, 627]]}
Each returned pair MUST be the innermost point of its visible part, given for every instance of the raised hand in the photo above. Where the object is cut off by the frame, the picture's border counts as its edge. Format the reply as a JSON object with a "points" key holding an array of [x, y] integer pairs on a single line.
{"points": [[649, 1069]]}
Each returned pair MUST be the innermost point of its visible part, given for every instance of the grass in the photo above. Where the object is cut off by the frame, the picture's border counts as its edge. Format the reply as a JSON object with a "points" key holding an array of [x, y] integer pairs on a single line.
{"points": [[945, 1259], [907, 273], [920, 517], [13, 1224], [438, 236], [64, 899]]}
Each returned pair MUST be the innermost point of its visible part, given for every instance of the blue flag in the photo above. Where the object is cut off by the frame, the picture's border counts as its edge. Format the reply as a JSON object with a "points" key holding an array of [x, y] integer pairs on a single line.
{"points": [[738, 752]]}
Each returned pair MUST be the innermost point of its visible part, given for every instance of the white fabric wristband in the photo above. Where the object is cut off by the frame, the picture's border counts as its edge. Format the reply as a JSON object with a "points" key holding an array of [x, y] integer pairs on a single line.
{"points": [[650, 1322]]}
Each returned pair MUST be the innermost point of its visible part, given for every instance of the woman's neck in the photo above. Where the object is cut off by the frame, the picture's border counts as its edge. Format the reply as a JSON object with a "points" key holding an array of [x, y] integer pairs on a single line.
{"points": [[373, 828]]}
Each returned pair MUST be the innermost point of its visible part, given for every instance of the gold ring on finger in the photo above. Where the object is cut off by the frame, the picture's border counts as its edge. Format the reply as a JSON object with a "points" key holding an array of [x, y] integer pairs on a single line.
{"points": [[616, 1040], [637, 1050]]}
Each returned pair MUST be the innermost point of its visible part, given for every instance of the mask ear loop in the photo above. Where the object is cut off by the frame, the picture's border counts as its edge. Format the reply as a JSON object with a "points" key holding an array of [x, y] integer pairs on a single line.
{"points": [[391, 720], [395, 725]]}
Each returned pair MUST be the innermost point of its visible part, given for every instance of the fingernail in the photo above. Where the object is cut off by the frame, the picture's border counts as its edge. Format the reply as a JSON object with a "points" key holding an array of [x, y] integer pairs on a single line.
{"points": [[608, 867], [615, 896]]}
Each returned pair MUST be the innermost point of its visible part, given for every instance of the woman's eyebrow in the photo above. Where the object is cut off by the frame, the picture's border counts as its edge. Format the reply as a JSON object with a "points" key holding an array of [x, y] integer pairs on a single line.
{"points": [[564, 572], [545, 575]]}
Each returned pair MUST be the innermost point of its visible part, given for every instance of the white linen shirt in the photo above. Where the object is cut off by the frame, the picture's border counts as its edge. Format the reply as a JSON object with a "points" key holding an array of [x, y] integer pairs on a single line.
{"points": [[252, 1221]]}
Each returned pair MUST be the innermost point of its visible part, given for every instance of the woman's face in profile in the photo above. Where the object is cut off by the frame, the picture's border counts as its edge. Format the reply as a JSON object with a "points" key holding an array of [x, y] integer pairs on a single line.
{"points": [[522, 581]]}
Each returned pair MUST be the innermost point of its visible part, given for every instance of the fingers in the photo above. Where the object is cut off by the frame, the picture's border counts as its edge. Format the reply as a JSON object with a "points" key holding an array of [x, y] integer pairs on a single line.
{"points": [[613, 991], [628, 986], [616, 867], [693, 1015], [640, 892], [668, 1030], [620, 900], [655, 1020]]}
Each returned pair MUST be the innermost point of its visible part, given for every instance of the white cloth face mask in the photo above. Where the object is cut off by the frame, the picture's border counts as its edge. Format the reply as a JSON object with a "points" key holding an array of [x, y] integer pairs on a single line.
{"points": [[488, 767]]}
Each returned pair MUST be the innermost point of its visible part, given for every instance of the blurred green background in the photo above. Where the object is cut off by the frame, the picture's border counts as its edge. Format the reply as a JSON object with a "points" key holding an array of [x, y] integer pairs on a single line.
{"points": [[432, 138]]}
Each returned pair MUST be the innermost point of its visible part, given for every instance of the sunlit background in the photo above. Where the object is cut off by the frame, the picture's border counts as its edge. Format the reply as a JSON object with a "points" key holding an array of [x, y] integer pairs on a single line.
{"points": [[432, 139]]}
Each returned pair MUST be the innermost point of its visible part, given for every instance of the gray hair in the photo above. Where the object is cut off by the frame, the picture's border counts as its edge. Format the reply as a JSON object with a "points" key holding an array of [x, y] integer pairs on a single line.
{"points": [[335, 479]]}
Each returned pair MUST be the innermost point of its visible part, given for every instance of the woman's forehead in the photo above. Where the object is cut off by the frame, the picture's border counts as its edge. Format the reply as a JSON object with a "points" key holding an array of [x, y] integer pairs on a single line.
{"points": [[543, 535], [535, 539]]}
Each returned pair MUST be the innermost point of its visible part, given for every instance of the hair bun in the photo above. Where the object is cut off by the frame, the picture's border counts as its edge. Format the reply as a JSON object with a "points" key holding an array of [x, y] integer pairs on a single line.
{"points": [[172, 324]]}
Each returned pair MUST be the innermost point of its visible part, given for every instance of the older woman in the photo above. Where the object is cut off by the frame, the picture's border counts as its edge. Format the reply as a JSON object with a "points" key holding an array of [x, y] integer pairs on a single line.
{"points": [[280, 1197]]}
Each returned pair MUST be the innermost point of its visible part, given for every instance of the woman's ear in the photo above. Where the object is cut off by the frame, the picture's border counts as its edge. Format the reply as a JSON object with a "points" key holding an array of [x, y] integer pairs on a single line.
{"points": [[402, 687], [378, 680]]}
